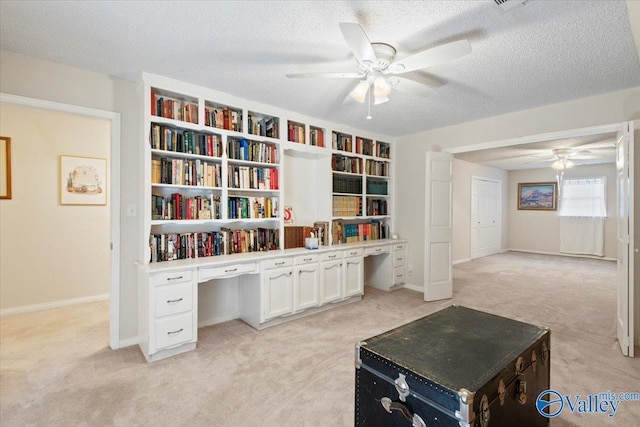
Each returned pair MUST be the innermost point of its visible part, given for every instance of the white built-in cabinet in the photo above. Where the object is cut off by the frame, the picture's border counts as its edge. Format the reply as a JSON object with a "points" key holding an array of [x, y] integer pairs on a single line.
{"points": [[306, 282], [218, 173]]}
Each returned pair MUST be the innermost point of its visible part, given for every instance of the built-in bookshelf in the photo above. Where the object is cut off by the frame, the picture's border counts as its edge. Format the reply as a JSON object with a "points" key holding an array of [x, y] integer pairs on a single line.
{"points": [[263, 125], [216, 174]]}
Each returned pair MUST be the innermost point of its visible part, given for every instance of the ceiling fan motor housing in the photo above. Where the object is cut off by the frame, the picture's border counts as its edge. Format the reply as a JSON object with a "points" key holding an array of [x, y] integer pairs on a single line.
{"points": [[385, 54]]}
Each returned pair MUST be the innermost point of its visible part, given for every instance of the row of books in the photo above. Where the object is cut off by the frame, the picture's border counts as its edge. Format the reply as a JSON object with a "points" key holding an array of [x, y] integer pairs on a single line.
{"points": [[346, 164], [179, 206], [252, 207], [255, 178], [347, 184], [316, 136], [185, 141], [295, 235], [377, 207], [364, 146], [264, 126], [194, 172], [377, 187], [223, 118], [296, 132], [176, 246], [374, 167], [350, 233], [347, 206], [383, 150], [341, 142], [254, 151], [171, 108]]}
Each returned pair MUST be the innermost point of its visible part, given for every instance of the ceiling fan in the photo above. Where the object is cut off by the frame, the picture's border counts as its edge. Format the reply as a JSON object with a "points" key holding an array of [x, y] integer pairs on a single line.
{"points": [[378, 66], [564, 157]]}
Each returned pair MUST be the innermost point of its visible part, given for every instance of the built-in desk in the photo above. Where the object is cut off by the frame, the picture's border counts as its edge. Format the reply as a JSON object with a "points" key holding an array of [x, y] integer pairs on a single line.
{"points": [[261, 288]]}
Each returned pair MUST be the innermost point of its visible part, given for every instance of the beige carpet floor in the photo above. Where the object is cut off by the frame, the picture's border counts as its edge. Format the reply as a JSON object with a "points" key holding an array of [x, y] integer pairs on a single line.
{"points": [[56, 368]]}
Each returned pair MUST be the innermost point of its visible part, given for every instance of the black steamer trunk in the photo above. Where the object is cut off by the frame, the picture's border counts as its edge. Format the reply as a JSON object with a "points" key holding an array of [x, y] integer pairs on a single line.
{"points": [[456, 367]]}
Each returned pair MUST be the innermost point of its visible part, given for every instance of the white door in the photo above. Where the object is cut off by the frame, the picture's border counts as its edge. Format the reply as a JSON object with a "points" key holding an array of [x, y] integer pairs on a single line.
{"points": [[485, 217], [624, 186], [278, 286], [438, 278], [331, 280], [306, 286], [353, 276]]}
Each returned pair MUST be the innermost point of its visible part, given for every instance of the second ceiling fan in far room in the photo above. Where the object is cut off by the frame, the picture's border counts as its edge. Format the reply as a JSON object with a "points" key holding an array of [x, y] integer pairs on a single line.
{"points": [[377, 65]]}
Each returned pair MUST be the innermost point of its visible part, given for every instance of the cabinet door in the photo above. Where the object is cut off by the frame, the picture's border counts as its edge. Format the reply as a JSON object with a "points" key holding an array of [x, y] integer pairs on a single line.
{"points": [[353, 276], [306, 286], [278, 292], [331, 280]]}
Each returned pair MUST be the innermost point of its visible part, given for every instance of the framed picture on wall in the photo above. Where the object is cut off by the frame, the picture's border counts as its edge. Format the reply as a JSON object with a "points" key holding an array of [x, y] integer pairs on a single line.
{"points": [[537, 196], [83, 180], [5, 167]]}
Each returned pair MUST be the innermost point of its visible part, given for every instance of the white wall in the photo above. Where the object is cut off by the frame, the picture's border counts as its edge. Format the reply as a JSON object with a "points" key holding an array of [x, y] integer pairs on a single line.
{"points": [[410, 151], [539, 231], [50, 252], [463, 171]]}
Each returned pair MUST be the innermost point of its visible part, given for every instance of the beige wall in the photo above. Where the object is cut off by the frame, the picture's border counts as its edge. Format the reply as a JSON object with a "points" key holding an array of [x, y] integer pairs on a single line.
{"points": [[463, 172], [50, 252], [539, 231]]}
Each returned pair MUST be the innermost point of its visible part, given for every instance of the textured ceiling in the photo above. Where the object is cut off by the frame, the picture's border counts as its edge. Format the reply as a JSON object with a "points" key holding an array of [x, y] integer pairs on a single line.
{"points": [[540, 53]]}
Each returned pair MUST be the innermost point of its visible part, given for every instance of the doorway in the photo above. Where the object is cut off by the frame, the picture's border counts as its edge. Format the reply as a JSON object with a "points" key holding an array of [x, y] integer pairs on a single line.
{"points": [[112, 241], [626, 309]]}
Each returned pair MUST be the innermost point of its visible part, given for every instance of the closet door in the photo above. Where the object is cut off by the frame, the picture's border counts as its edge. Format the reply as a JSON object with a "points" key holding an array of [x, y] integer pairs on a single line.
{"points": [[485, 217]]}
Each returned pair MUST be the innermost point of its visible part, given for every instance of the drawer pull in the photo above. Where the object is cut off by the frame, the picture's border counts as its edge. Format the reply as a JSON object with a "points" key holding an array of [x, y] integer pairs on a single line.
{"points": [[231, 270], [400, 259], [353, 253], [379, 250], [173, 301], [174, 278], [175, 332], [332, 256], [280, 263], [307, 259], [398, 275]]}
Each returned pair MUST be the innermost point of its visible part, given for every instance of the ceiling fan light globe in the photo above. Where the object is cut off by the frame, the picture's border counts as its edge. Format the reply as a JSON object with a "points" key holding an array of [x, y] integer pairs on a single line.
{"points": [[381, 88], [360, 92]]}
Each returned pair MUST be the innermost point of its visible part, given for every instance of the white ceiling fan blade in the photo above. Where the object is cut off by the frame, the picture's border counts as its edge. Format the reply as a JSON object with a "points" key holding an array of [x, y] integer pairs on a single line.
{"points": [[325, 75], [358, 41], [431, 57], [411, 86]]}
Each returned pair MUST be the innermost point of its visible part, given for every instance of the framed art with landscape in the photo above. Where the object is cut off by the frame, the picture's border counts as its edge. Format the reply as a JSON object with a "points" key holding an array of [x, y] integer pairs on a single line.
{"points": [[83, 180], [538, 196]]}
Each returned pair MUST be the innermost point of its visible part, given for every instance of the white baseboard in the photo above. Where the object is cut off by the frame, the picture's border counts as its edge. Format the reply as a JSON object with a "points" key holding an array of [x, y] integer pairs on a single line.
{"points": [[217, 320], [563, 254], [460, 261], [53, 304], [127, 343]]}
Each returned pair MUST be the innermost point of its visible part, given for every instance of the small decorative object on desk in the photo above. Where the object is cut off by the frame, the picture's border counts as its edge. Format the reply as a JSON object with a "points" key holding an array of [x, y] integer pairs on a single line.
{"points": [[311, 242]]}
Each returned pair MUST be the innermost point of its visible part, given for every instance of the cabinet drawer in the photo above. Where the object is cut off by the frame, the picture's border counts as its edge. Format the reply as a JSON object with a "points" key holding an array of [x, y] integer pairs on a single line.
{"points": [[173, 331], [207, 273], [173, 299], [330, 256], [306, 259], [398, 258], [399, 246], [353, 252], [398, 275], [164, 278], [377, 250], [276, 263]]}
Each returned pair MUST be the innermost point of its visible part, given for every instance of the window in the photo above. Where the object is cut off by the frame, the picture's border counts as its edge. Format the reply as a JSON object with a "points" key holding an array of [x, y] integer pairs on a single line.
{"points": [[584, 197]]}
